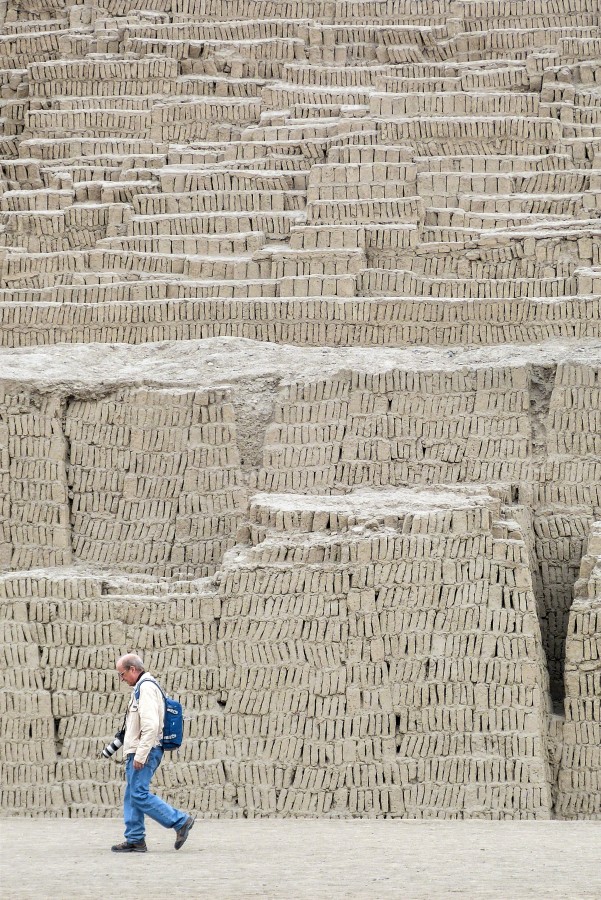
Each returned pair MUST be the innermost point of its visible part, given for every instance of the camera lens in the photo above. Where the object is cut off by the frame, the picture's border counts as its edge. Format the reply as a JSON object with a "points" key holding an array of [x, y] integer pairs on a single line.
{"points": [[114, 745]]}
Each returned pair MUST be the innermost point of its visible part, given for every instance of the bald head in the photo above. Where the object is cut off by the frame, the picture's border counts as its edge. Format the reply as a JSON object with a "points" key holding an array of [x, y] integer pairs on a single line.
{"points": [[130, 661], [130, 668]]}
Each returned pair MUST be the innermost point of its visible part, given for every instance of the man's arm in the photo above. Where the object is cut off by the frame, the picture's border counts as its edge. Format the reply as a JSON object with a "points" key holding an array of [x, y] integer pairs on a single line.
{"points": [[149, 710]]}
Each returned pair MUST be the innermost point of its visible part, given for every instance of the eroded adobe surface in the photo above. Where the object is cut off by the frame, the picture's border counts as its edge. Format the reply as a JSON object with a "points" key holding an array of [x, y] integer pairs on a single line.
{"points": [[341, 480], [376, 640]]}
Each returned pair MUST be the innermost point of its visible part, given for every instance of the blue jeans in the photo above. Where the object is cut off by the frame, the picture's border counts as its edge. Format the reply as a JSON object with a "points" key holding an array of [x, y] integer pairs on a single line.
{"points": [[139, 802]]}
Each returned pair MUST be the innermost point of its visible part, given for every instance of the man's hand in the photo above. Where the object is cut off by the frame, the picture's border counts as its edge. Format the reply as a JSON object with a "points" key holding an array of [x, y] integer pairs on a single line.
{"points": [[138, 765]]}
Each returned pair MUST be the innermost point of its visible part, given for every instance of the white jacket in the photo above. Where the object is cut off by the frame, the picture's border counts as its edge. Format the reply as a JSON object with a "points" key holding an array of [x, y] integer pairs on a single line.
{"points": [[144, 719]]}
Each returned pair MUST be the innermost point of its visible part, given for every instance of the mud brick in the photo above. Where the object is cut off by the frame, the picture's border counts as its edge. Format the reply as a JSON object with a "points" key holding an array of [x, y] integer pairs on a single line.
{"points": [[377, 189]]}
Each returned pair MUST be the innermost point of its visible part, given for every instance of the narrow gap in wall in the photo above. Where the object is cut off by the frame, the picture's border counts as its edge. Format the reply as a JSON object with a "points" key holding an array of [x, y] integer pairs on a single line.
{"points": [[58, 742], [542, 382]]}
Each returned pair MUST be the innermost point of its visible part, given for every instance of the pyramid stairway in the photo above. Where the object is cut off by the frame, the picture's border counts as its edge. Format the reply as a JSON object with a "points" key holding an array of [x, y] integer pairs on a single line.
{"points": [[324, 172]]}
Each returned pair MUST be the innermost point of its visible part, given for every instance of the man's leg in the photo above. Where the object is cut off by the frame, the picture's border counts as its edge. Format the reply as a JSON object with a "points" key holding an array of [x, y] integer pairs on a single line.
{"points": [[132, 814], [149, 804]]}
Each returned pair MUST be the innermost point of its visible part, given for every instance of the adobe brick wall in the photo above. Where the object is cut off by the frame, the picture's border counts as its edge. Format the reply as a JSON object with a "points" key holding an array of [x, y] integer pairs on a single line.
{"points": [[310, 258]]}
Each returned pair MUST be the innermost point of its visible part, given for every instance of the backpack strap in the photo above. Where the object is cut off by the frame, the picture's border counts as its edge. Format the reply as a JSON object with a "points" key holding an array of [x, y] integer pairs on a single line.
{"points": [[152, 681]]}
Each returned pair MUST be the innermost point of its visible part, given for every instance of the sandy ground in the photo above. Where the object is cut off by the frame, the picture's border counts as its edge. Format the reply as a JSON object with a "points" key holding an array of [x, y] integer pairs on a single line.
{"points": [[48, 859]]}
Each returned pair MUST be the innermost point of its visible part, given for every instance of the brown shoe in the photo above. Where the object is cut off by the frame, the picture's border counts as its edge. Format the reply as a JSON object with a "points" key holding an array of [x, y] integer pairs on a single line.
{"points": [[126, 847], [182, 833]]}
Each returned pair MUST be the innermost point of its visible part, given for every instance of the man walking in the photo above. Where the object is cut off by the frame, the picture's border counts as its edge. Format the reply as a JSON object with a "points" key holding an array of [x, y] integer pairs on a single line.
{"points": [[143, 753]]}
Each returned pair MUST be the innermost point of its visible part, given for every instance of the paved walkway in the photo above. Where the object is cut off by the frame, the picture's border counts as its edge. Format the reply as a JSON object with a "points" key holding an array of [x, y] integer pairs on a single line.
{"points": [[55, 859]]}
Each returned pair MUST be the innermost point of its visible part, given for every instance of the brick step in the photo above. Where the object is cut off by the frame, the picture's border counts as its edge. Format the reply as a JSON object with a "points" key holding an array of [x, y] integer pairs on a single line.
{"points": [[94, 123], [382, 237], [553, 204], [279, 95], [314, 321], [442, 217], [43, 199], [374, 282], [275, 225], [562, 181], [333, 212], [493, 163], [217, 86], [453, 103], [333, 77], [222, 268], [276, 201], [196, 245], [188, 179], [64, 148]]}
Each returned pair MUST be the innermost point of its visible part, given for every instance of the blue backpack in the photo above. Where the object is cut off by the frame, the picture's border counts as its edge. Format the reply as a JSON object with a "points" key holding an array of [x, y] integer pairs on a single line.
{"points": [[173, 726]]}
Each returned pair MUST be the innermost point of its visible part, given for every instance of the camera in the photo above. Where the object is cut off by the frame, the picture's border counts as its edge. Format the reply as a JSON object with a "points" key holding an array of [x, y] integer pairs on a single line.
{"points": [[114, 745]]}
